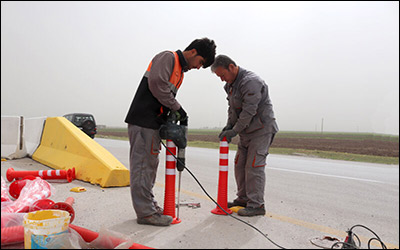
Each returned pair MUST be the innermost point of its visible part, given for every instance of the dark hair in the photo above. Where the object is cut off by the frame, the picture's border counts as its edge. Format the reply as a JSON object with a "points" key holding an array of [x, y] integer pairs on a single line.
{"points": [[222, 61], [205, 48]]}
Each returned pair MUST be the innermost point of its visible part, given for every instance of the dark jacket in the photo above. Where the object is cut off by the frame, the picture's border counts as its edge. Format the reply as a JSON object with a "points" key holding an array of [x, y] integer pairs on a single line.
{"points": [[156, 93]]}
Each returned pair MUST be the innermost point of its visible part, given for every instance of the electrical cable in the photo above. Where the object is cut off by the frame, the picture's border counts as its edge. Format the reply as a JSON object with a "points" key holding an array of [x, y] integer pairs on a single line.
{"points": [[350, 244], [347, 245], [194, 177]]}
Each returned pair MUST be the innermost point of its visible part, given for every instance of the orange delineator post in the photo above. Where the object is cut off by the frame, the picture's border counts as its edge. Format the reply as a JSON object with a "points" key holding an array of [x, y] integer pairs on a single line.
{"points": [[69, 174], [223, 179], [44, 204], [12, 235], [66, 206], [89, 236], [169, 196]]}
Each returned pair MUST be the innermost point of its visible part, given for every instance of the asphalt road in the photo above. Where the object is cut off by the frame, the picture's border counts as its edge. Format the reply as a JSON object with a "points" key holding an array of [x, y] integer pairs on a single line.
{"points": [[306, 198]]}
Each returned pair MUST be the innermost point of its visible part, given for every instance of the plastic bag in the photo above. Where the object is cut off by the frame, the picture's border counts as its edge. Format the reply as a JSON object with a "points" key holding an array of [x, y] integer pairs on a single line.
{"points": [[105, 239], [109, 239], [4, 191], [33, 190], [11, 219], [70, 240], [12, 230]]}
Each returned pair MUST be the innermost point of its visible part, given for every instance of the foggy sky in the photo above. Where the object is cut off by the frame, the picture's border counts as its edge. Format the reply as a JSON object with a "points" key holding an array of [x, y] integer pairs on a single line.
{"points": [[336, 61]]}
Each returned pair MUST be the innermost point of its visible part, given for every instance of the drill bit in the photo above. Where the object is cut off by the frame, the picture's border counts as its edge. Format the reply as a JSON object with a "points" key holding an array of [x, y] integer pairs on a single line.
{"points": [[179, 192]]}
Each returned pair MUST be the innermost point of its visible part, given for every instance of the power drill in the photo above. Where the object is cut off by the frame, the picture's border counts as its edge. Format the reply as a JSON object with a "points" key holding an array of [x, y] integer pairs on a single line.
{"points": [[177, 133]]}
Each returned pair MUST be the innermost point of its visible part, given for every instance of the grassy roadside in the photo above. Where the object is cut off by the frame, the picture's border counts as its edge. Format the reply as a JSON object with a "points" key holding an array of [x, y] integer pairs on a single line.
{"points": [[310, 153], [317, 135], [297, 152]]}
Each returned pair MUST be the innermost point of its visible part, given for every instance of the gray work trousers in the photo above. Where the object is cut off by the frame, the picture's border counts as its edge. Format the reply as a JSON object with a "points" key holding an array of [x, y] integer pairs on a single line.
{"points": [[250, 161], [143, 161]]}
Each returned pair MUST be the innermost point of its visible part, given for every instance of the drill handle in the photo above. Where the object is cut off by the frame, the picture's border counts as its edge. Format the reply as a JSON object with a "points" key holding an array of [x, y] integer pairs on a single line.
{"points": [[184, 122], [172, 117], [180, 164]]}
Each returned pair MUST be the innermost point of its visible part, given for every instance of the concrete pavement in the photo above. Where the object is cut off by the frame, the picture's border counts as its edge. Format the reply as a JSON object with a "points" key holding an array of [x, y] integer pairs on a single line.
{"points": [[289, 222], [110, 208]]}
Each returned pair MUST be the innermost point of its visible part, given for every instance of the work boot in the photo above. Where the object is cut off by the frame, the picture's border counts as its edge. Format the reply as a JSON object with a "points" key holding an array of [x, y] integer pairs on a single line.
{"points": [[236, 203], [156, 220], [252, 211]]}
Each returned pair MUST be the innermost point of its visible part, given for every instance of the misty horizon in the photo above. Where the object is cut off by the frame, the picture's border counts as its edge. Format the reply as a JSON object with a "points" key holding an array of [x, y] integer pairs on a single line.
{"points": [[331, 61]]}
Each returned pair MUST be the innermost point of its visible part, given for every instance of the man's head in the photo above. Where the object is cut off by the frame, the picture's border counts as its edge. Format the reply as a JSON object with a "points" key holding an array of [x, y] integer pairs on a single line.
{"points": [[201, 52], [225, 68]]}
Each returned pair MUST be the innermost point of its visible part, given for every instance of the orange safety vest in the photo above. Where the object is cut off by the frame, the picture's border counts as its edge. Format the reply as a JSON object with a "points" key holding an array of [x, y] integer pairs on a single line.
{"points": [[145, 110], [175, 81]]}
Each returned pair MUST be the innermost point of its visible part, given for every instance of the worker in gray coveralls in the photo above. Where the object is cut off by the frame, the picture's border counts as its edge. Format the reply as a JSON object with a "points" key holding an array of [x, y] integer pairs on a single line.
{"points": [[250, 115]]}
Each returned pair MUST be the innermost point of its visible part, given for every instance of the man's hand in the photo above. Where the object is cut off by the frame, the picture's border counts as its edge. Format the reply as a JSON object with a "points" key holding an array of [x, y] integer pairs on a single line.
{"points": [[229, 134], [181, 114], [227, 127]]}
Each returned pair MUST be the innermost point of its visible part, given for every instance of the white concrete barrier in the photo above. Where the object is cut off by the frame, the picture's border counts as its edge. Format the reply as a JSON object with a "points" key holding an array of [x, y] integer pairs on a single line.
{"points": [[32, 133], [12, 144]]}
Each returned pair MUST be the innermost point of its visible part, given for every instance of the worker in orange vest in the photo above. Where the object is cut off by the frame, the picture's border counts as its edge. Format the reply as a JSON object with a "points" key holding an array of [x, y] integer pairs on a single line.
{"points": [[154, 99]]}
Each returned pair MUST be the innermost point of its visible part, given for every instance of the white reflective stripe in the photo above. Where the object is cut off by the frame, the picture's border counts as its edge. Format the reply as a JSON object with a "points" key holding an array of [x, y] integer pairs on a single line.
{"points": [[173, 88], [223, 168], [223, 144], [41, 173], [170, 171], [171, 158], [48, 172], [224, 156], [170, 144], [58, 172]]}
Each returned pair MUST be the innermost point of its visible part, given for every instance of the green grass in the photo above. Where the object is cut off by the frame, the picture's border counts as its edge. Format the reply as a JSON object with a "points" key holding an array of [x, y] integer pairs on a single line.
{"points": [[204, 131], [319, 135], [111, 129], [309, 153], [338, 135], [113, 137]]}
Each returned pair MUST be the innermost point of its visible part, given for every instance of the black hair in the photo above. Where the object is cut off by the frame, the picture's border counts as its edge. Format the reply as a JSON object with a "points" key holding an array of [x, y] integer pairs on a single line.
{"points": [[205, 48]]}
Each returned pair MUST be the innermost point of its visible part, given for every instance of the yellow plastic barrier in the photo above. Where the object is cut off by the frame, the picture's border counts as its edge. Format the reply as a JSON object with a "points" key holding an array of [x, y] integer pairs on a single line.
{"points": [[64, 146]]}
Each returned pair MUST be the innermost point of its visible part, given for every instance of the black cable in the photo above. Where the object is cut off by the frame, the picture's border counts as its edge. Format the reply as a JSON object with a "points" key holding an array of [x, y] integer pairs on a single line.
{"points": [[377, 237], [345, 245], [258, 230], [358, 239], [351, 244]]}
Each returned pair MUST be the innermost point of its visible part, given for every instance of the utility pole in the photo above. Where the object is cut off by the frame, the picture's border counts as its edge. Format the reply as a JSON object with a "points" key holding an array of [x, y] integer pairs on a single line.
{"points": [[322, 125]]}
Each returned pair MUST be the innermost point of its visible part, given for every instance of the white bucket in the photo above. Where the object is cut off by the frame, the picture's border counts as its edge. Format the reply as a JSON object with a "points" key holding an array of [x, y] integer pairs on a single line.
{"points": [[42, 226]]}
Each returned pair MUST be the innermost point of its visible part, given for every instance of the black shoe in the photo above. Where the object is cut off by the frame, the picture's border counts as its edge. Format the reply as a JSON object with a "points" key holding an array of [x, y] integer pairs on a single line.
{"points": [[236, 203], [156, 220], [252, 211]]}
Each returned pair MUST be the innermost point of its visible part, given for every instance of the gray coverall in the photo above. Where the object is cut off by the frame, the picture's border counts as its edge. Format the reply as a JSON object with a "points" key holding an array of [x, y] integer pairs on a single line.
{"points": [[251, 115]]}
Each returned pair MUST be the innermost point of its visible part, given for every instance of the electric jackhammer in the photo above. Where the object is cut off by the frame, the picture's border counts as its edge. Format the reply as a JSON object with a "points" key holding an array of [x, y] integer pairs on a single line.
{"points": [[177, 133]]}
